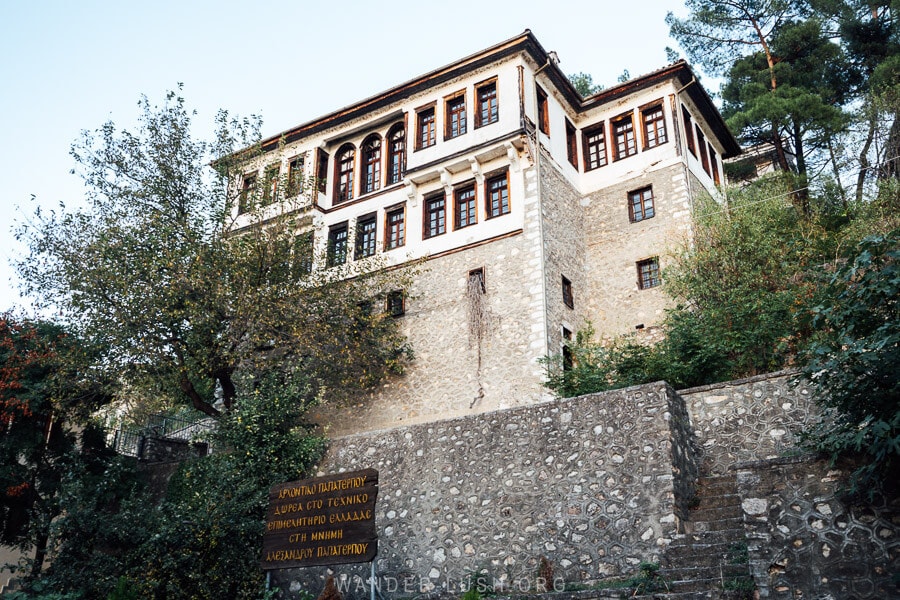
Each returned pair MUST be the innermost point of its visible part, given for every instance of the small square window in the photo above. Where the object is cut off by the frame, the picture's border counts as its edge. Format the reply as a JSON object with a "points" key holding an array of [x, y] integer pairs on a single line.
{"points": [[640, 204], [496, 190], [425, 128], [648, 273], [488, 110], [395, 228], [567, 294], [396, 305]]}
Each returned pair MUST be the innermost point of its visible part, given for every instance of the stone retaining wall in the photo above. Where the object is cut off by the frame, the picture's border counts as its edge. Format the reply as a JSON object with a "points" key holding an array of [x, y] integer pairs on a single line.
{"points": [[589, 483]]}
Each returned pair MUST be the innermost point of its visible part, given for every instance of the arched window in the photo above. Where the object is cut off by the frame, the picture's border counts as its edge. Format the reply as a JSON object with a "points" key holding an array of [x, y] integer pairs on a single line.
{"points": [[371, 164], [343, 181], [396, 140]]}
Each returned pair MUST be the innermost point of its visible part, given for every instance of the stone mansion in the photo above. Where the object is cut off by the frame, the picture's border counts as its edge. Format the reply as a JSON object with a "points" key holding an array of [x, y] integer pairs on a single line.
{"points": [[536, 211]]}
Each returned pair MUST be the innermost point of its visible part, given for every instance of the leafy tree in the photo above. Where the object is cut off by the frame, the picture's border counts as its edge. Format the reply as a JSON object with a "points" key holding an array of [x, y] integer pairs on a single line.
{"points": [[154, 269], [855, 362], [44, 390], [584, 84]]}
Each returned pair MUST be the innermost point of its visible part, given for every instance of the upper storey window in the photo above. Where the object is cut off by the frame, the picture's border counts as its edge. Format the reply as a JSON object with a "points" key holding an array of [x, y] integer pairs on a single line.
{"points": [[371, 164], [624, 143], [688, 130], [295, 176], [455, 118], [488, 110], [497, 194], [344, 164], [248, 187], [321, 170], [270, 191], [543, 111], [654, 126], [396, 141], [571, 144], [701, 145], [425, 128], [594, 143]]}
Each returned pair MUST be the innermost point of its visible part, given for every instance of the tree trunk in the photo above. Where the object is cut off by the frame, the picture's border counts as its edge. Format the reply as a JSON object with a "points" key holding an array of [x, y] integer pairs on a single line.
{"points": [[864, 159], [801, 195], [199, 403], [890, 162]]}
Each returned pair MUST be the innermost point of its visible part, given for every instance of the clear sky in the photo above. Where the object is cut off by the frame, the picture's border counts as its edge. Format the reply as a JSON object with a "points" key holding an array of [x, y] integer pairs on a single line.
{"points": [[67, 66]]}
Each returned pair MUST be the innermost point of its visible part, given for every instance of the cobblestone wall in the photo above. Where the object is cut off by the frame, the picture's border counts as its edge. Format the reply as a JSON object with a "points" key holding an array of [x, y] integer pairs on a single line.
{"points": [[806, 541], [587, 483], [749, 419]]}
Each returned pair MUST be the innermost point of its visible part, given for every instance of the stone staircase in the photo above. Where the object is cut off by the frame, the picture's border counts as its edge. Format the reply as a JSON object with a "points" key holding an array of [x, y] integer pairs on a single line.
{"points": [[710, 560]]}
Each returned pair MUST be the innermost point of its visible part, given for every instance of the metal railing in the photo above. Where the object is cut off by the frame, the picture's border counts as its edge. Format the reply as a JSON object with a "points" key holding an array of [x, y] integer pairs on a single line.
{"points": [[130, 442]]}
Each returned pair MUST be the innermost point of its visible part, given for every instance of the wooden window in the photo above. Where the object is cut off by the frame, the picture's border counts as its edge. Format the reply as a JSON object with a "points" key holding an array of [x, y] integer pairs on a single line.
{"points": [[365, 236], [648, 273], [688, 130], [654, 126], [270, 191], [337, 245], [701, 145], [640, 204], [435, 216], [425, 128], [567, 358], [455, 116], [302, 255], [567, 294], [496, 192], [396, 153], [594, 142], [321, 170], [344, 163], [488, 110], [714, 163], [464, 213], [476, 280], [624, 143], [371, 164], [248, 188], [571, 144], [295, 176], [395, 304], [395, 228], [543, 111]]}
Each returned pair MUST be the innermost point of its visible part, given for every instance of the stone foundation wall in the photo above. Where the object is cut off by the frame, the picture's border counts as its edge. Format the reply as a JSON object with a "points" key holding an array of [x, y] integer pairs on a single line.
{"points": [[805, 540], [589, 483], [749, 419]]}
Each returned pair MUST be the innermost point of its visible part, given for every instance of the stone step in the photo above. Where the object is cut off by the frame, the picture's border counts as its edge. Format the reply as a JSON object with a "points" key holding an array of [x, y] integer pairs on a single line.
{"points": [[731, 524], [733, 511], [710, 582], [710, 501], [703, 554], [680, 575], [717, 485]]}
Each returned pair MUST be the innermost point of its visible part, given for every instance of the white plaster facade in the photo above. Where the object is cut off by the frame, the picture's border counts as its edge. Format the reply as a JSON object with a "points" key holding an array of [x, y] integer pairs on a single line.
{"points": [[560, 218]]}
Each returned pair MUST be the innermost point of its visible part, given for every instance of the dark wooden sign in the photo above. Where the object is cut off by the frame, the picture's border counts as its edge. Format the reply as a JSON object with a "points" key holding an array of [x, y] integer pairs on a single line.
{"points": [[322, 521]]}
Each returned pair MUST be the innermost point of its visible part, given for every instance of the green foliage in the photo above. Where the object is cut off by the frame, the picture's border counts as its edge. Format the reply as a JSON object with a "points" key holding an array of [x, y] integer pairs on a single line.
{"points": [[584, 84], [154, 271], [854, 361]]}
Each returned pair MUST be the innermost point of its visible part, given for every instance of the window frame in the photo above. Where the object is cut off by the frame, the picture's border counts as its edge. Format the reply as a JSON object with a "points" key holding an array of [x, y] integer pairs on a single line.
{"points": [[455, 112], [688, 123], [270, 181], [658, 125], [434, 220], [571, 143], [652, 278], [636, 216], [364, 248], [392, 242], [296, 166], [543, 108], [588, 145], [630, 135], [504, 203], [395, 303], [426, 136], [714, 163], [248, 189], [701, 146], [302, 252], [478, 274], [568, 294], [370, 159], [487, 104], [332, 258], [393, 151], [471, 213], [344, 174]]}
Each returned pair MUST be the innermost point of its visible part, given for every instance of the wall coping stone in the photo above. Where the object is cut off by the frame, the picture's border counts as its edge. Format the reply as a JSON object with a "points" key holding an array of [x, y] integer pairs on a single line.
{"points": [[740, 382]]}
